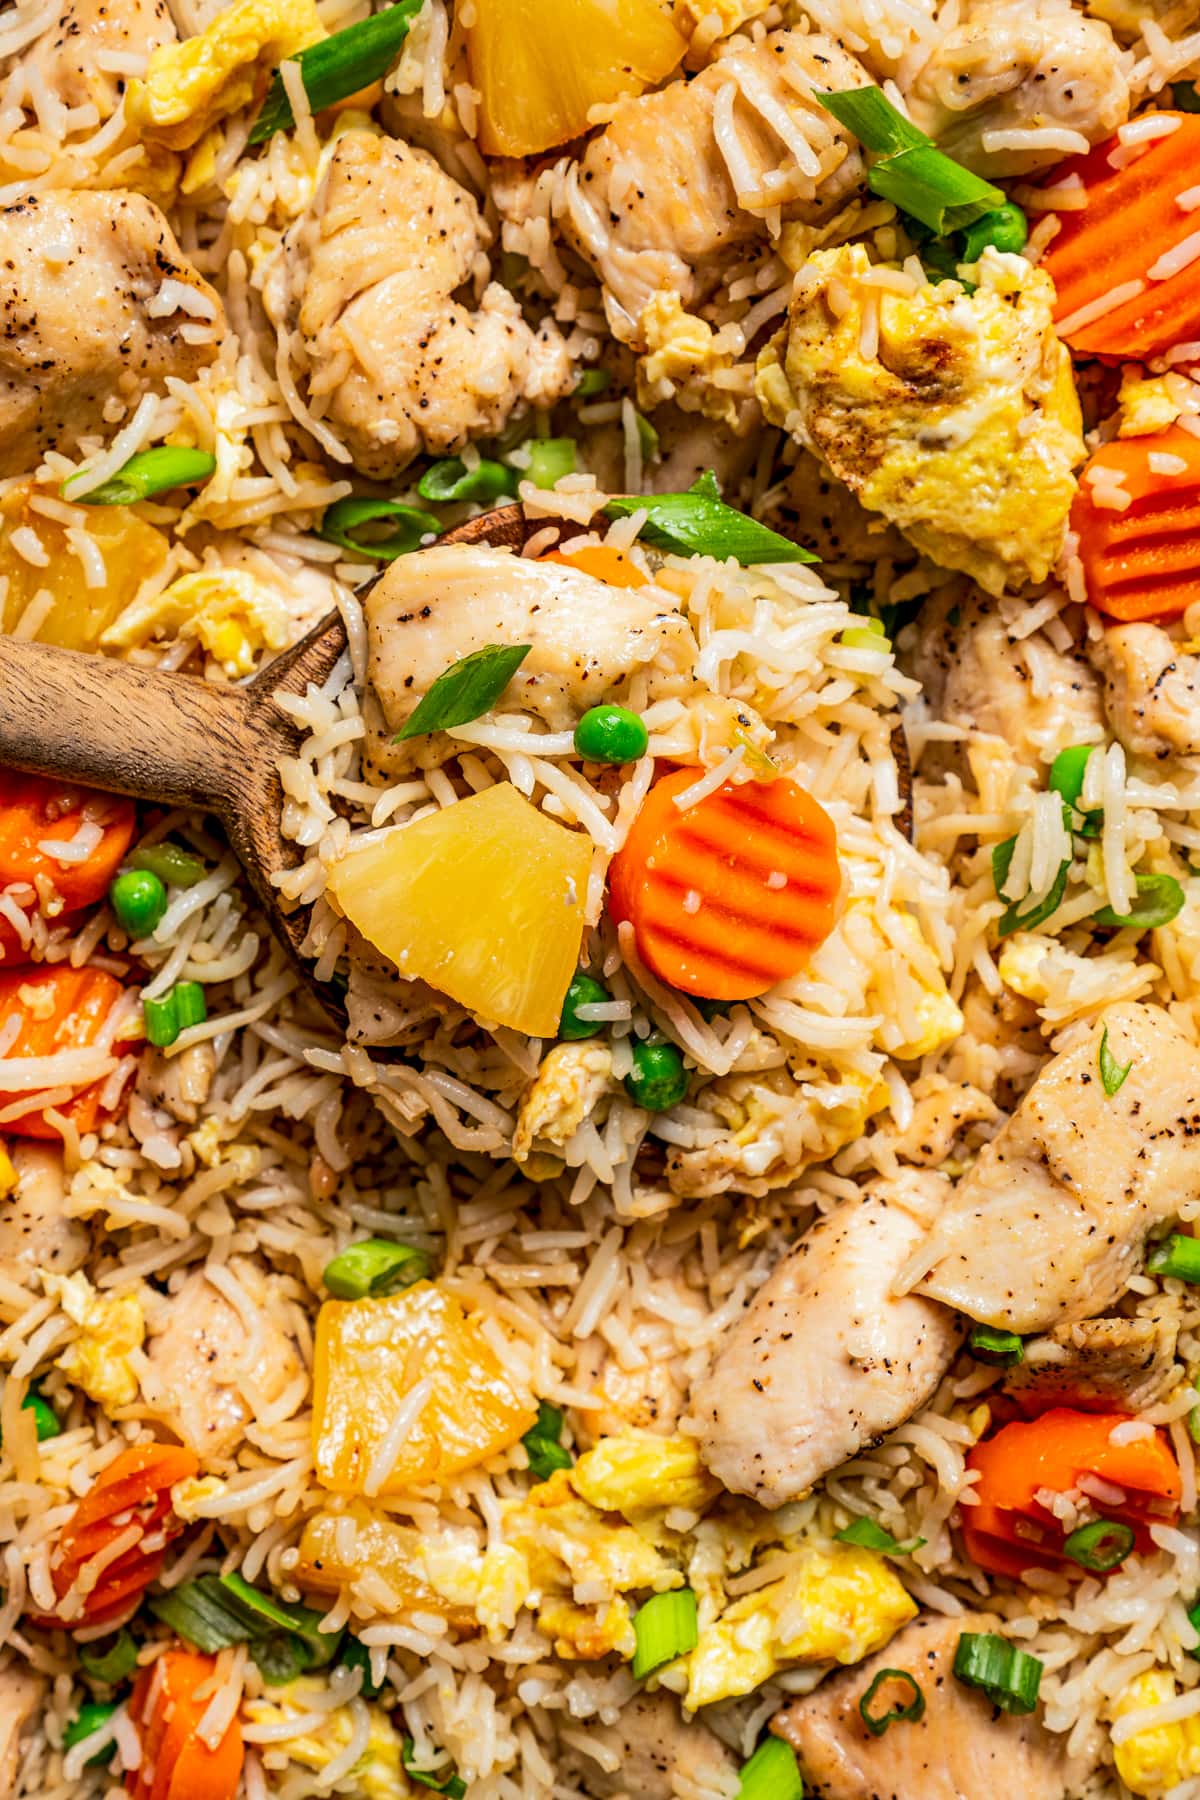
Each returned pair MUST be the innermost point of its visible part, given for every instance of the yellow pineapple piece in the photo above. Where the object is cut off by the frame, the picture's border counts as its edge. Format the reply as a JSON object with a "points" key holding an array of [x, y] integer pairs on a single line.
{"points": [[370, 1355], [79, 614], [376, 1544], [542, 65], [483, 900]]}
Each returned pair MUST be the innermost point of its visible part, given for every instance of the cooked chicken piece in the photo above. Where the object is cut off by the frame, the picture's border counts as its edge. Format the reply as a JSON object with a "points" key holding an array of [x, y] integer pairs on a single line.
{"points": [[976, 674], [437, 605], [178, 1085], [362, 291], [825, 1359], [1015, 66], [1151, 690], [69, 58], [204, 1363], [571, 1082], [1051, 1222], [941, 1110], [91, 287], [953, 415], [35, 1230], [21, 1696], [1096, 1364], [682, 177], [962, 1748], [653, 1753], [383, 1006]]}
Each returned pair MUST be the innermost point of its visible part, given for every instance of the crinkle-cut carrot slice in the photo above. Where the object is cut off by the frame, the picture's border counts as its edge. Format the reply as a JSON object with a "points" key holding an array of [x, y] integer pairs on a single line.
{"points": [[1141, 560], [1111, 247], [59, 1008], [732, 894], [168, 1703]]}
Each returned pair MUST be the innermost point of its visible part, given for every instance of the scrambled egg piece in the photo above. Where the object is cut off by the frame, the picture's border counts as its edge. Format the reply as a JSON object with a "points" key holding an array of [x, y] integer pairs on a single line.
{"points": [[111, 1326], [639, 1472], [758, 1150], [570, 1544], [683, 353], [189, 1496], [8, 1174], [587, 1633], [233, 615], [837, 1603], [936, 1016], [1157, 1759], [379, 1775], [962, 426], [1146, 404], [572, 1079], [190, 85], [494, 1587]]}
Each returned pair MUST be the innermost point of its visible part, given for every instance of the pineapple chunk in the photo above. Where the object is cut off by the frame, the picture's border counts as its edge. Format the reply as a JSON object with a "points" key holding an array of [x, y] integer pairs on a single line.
{"points": [[540, 66], [370, 1355], [131, 549], [483, 900], [332, 1557]]}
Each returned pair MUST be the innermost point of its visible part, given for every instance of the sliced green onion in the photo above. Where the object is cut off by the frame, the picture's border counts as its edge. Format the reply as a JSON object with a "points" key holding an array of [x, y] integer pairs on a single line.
{"points": [[648, 438], [467, 689], [109, 1659], [871, 1536], [877, 1723], [355, 1655], [664, 1628], [875, 122], [1159, 899], [338, 66], [992, 1346], [173, 866], [1009, 1677], [1100, 1546], [772, 1773], [542, 1444], [1006, 230], [451, 1783], [344, 520], [149, 472], [591, 383], [214, 1611], [549, 460], [1112, 1073], [1176, 1256], [90, 1717], [1066, 778], [870, 635], [452, 480], [912, 173], [374, 1266], [1194, 1420], [198, 1612], [1013, 919], [699, 523], [181, 1006]]}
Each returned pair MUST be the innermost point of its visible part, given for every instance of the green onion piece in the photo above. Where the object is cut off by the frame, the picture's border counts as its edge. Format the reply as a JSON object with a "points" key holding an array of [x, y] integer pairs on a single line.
{"points": [[541, 1442], [1066, 778], [871, 1536], [699, 523], [870, 635], [344, 520], [877, 1723], [109, 1659], [1176, 1256], [1013, 919], [284, 1639], [1112, 1073], [665, 1627], [1184, 96], [991, 1346], [1159, 899], [338, 66], [772, 1773], [198, 1612], [648, 438], [875, 122], [1194, 1420], [918, 178], [549, 460], [452, 1783], [181, 1006], [1006, 230], [149, 472], [191, 1007], [90, 1717], [591, 383], [1009, 1677], [1102, 1545], [467, 689], [451, 480], [355, 1655], [374, 1266], [173, 866]]}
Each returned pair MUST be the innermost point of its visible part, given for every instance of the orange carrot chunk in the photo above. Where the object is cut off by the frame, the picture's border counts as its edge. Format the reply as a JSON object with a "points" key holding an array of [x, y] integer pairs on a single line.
{"points": [[35, 812], [602, 561], [1130, 242], [59, 1008], [169, 1700], [732, 894], [1141, 560]]}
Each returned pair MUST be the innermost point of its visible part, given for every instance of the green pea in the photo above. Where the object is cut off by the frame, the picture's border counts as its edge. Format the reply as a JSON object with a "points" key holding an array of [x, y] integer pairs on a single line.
{"points": [[658, 1079], [583, 991], [1005, 229], [45, 1419], [90, 1717], [611, 734], [139, 900]]}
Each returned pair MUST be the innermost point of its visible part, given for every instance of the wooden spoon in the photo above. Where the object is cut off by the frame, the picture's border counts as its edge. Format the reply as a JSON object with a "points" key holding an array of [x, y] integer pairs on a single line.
{"points": [[189, 742]]}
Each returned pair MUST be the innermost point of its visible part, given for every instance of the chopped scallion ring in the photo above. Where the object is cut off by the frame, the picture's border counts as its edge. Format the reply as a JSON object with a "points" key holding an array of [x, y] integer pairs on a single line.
{"points": [[877, 1723], [173, 865], [912, 172], [181, 1006], [664, 1628], [772, 1773], [338, 66], [344, 521], [1112, 1073], [1102, 1545], [699, 523], [374, 1266], [466, 690], [541, 1441], [1066, 778], [449, 480], [991, 1346], [149, 472], [442, 1782], [549, 460], [871, 1536], [109, 1659], [1159, 900], [1009, 1677], [1176, 1256]]}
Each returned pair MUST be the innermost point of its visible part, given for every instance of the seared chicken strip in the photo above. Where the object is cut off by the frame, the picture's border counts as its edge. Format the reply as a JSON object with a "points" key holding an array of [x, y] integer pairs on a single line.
{"points": [[70, 58], [362, 293], [35, 1229], [1097, 1364], [962, 1748], [1051, 1222], [98, 305], [1011, 69], [658, 1754], [825, 1359], [1151, 690], [975, 674]]}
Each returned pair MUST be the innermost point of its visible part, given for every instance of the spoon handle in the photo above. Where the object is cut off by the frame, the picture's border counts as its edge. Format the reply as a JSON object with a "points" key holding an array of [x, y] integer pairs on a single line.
{"points": [[111, 725]]}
